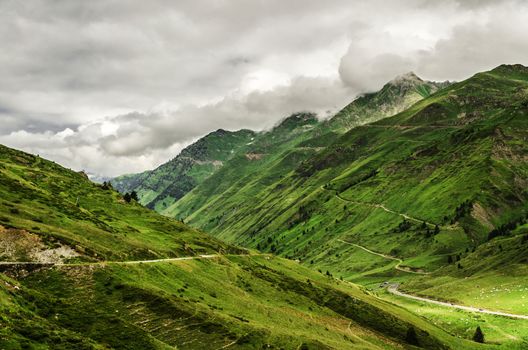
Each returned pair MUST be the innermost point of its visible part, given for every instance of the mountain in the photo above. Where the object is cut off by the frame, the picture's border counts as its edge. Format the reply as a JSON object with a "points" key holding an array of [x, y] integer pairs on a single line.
{"points": [[287, 146], [162, 186], [395, 96], [455, 159], [81, 268], [433, 198]]}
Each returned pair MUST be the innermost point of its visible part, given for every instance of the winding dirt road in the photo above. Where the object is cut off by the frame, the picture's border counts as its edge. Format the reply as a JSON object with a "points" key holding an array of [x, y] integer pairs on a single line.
{"points": [[383, 207], [132, 262], [380, 206], [388, 257], [393, 289]]}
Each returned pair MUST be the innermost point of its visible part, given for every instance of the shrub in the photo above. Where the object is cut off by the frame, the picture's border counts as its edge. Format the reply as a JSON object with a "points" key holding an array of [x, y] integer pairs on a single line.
{"points": [[478, 336]]}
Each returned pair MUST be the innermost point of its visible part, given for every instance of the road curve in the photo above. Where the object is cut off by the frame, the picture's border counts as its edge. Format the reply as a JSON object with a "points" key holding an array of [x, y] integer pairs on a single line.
{"points": [[393, 289], [380, 206], [383, 207], [397, 266]]}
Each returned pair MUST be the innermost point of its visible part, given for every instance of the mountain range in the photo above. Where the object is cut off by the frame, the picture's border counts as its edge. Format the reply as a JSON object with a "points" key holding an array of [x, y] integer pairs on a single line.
{"points": [[432, 174], [82, 268], [399, 223]]}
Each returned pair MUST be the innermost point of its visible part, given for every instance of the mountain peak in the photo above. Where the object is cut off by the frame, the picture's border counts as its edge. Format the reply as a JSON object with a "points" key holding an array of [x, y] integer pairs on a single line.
{"points": [[406, 79], [511, 69], [298, 119]]}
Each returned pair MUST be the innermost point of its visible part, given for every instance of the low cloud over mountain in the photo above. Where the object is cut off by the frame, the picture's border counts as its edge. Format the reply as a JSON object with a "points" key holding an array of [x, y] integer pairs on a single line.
{"points": [[131, 85]]}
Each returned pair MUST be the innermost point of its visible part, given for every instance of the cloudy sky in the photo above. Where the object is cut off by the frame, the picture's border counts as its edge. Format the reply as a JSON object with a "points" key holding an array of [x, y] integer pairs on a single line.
{"points": [[119, 86]]}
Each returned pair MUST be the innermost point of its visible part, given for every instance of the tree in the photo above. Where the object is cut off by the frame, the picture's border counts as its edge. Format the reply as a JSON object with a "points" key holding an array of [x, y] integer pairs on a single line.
{"points": [[134, 196], [127, 197], [449, 259], [478, 336], [411, 336], [436, 230]]}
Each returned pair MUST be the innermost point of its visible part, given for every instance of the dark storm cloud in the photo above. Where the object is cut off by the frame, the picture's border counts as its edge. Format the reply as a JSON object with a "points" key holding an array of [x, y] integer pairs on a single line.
{"points": [[116, 86]]}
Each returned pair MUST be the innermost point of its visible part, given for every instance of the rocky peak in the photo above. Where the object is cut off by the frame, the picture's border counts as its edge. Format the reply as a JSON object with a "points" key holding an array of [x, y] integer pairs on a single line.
{"points": [[297, 119], [407, 79]]}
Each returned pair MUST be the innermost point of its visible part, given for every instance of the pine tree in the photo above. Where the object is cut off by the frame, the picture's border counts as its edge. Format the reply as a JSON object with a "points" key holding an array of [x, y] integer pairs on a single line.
{"points": [[134, 196], [411, 336], [478, 336], [127, 197]]}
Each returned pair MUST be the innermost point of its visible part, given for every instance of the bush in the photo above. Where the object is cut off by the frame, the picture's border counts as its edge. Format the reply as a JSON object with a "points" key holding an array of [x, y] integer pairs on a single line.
{"points": [[411, 336], [478, 336]]}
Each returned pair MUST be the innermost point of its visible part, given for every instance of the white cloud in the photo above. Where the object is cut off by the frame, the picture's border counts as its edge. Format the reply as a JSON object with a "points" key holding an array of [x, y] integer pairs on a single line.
{"points": [[120, 86]]}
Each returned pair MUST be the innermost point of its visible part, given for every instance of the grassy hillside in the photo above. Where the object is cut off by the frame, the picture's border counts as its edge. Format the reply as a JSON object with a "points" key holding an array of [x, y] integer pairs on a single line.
{"points": [[96, 285], [169, 182], [256, 152], [441, 186], [395, 96], [63, 207], [275, 153], [455, 160]]}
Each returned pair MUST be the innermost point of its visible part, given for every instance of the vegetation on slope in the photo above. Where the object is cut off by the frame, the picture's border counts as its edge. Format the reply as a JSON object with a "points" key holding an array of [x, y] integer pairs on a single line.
{"points": [[275, 153], [160, 188], [441, 185], [63, 207], [88, 293], [455, 160], [169, 182]]}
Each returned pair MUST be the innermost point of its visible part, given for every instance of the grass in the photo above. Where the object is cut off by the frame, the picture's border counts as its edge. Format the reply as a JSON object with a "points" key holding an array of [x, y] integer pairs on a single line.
{"points": [[235, 300], [249, 301], [506, 333], [455, 159]]}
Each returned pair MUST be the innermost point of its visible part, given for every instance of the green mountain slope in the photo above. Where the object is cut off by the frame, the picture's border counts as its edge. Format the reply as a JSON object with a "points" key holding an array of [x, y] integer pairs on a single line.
{"points": [[275, 153], [96, 282], [441, 186], [455, 159], [160, 187], [395, 96]]}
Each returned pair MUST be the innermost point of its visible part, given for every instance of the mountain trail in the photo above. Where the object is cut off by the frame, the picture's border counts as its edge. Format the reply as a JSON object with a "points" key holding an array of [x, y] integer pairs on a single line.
{"points": [[393, 289], [132, 262], [388, 257], [383, 207]]}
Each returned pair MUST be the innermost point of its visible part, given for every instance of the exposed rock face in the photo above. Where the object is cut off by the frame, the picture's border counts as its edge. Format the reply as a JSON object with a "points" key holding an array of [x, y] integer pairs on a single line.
{"points": [[21, 245]]}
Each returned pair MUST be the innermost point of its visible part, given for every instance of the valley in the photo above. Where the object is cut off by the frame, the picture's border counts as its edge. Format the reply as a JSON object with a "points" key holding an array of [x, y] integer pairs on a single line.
{"points": [[403, 229], [410, 199], [162, 284], [264, 175]]}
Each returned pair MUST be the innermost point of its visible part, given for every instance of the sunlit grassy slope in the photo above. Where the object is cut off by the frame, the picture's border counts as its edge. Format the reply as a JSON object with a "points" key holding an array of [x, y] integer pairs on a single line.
{"points": [[63, 206], [444, 180], [234, 300]]}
